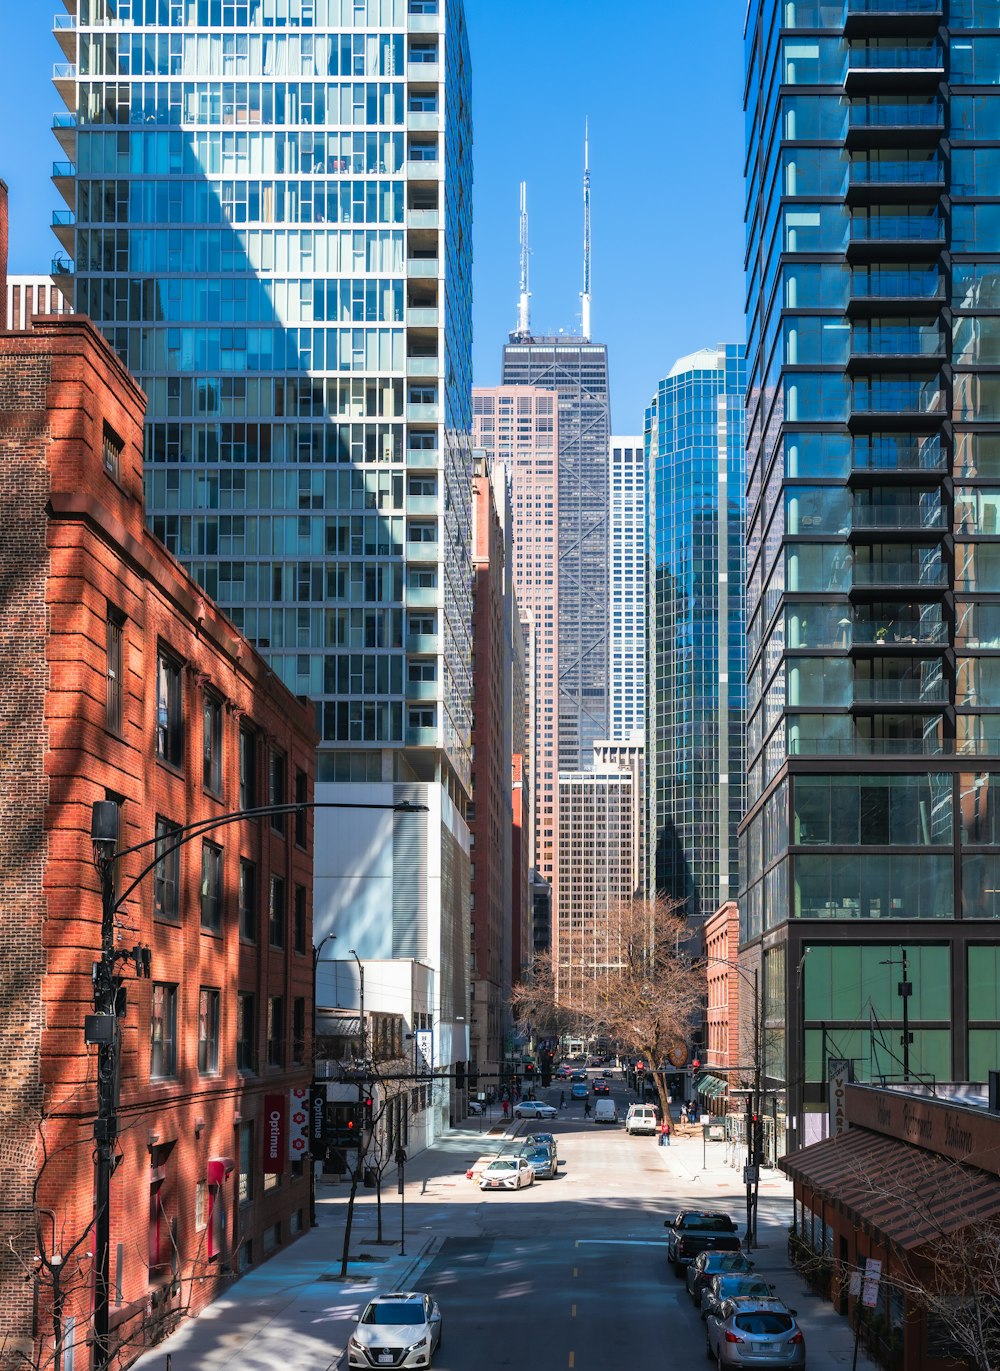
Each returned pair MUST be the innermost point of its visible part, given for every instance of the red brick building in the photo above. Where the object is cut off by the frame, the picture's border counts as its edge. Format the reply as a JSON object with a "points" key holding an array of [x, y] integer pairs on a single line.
{"points": [[123, 682], [721, 935], [490, 820]]}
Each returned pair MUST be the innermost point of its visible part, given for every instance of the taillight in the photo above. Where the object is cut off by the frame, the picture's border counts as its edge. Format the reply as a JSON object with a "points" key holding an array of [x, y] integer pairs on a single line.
{"points": [[732, 1337], [796, 1337]]}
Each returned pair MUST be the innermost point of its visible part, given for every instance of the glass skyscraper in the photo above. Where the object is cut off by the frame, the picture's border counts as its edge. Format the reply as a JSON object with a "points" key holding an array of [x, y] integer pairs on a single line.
{"points": [[873, 463], [270, 219], [695, 652], [577, 370], [627, 588]]}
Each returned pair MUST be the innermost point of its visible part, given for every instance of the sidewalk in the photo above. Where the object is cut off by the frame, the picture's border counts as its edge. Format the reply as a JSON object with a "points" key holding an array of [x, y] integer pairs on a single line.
{"points": [[293, 1312]]}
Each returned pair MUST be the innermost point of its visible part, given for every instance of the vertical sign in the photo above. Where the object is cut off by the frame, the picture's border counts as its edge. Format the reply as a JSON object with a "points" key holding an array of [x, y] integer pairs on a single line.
{"points": [[317, 1121], [425, 1047], [298, 1123], [869, 1290], [840, 1073], [275, 1128]]}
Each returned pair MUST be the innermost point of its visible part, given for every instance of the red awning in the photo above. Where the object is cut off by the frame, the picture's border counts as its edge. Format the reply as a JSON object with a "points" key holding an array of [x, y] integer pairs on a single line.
{"points": [[904, 1192], [218, 1169]]}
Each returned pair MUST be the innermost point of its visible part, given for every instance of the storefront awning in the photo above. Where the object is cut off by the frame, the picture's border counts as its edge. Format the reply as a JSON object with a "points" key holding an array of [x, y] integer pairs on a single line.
{"points": [[910, 1195], [711, 1086], [331, 1024]]}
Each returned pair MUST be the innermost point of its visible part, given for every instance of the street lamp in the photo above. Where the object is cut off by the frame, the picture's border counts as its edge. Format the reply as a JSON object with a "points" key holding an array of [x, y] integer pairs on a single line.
{"points": [[102, 1028], [317, 949], [755, 1100]]}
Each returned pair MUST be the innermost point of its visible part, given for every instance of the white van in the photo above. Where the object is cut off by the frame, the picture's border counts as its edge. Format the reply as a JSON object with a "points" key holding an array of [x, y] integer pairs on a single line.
{"points": [[641, 1119], [605, 1111]]}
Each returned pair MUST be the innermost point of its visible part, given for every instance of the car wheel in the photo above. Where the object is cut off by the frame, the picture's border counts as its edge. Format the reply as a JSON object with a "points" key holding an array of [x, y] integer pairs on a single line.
{"points": [[518, 1114]]}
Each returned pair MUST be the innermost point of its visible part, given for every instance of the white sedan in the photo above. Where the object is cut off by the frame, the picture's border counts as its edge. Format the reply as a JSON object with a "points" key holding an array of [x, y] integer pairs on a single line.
{"points": [[396, 1330], [506, 1173], [534, 1109]]}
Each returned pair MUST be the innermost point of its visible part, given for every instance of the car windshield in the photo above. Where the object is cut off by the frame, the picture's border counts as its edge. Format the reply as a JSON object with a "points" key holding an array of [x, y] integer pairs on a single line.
{"points": [[401, 1311], [763, 1323], [502, 1166], [731, 1286]]}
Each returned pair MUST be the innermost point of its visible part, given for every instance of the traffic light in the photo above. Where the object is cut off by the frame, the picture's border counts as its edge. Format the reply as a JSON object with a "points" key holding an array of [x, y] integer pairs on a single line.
{"points": [[696, 1065], [529, 1068], [758, 1138], [369, 1112]]}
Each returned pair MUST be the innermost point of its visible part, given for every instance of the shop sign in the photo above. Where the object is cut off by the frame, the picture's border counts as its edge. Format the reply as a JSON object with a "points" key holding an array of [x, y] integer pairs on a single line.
{"points": [[841, 1073], [275, 1133]]}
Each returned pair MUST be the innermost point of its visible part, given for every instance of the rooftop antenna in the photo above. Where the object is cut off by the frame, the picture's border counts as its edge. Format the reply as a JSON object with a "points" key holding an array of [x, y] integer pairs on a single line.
{"points": [[585, 293], [524, 299]]}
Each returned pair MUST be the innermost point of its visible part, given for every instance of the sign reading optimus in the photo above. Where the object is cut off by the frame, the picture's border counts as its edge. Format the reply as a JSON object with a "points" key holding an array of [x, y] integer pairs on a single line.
{"points": [[317, 1111], [275, 1134]]}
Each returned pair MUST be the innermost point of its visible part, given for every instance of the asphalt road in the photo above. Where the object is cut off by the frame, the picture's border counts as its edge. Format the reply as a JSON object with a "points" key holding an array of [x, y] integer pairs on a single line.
{"points": [[569, 1273]]}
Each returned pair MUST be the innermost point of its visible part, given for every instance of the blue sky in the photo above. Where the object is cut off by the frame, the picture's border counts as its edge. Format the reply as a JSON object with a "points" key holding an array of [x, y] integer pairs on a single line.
{"points": [[662, 90]]}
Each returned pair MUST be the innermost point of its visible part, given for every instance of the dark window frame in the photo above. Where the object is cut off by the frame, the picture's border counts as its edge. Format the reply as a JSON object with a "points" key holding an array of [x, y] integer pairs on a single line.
{"points": [[212, 875], [277, 786], [115, 669], [298, 1030], [277, 918], [300, 912], [248, 767], [169, 708], [209, 1020], [301, 815], [212, 736], [276, 1035], [167, 872], [112, 452], [163, 1044], [249, 901]]}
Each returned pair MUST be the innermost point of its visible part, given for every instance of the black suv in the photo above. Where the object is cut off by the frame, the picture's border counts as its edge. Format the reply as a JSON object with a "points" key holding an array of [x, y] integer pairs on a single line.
{"points": [[698, 1230]]}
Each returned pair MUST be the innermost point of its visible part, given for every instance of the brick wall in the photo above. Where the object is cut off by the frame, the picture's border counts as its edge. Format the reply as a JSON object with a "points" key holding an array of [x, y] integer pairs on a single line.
{"points": [[83, 554]]}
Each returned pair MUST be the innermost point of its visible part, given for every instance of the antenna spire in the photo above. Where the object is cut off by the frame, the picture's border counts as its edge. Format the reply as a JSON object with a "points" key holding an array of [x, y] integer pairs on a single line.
{"points": [[585, 293], [524, 299]]}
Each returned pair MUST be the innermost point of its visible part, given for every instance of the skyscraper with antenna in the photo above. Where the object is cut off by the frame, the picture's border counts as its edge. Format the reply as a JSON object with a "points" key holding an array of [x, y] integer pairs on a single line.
{"points": [[585, 293], [523, 331]]}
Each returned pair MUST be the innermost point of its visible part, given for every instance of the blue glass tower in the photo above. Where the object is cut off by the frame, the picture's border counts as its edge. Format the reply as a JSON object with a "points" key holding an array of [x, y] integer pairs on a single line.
{"points": [[695, 653], [270, 219], [873, 467]]}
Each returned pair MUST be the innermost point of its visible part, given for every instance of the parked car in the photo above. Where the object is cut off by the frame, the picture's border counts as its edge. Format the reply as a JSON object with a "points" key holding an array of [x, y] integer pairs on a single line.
{"points": [[641, 1118], [579, 1091], [605, 1111], [534, 1109], [731, 1285], [698, 1230], [762, 1333], [402, 1329], [600, 1086], [542, 1160], [475, 1107], [506, 1173], [578, 1076], [709, 1264]]}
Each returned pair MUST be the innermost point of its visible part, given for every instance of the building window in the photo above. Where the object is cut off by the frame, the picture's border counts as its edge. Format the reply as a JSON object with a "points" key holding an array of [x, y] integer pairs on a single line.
{"points": [[167, 872], [298, 1030], [169, 710], [244, 1188], [115, 699], [276, 793], [112, 449], [246, 1028], [301, 815], [212, 743], [300, 944], [211, 887], [248, 901], [208, 1032], [163, 1032], [276, 912], [276, 1030], [248, 768]]}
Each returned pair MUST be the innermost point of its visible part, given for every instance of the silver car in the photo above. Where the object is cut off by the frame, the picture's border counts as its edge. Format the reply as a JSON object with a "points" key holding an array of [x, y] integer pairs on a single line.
{"points": [[542, 1160], [753, 1332], [402, 1329], [731, 1285]]}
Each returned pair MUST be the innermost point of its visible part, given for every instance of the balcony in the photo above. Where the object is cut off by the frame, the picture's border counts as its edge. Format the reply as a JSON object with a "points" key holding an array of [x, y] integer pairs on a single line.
{"points": [[871, 181], [876, 291], [422, 457], [423, 121], [906, 67], [423, 71], [423, 23], [423, 413], [898, 453], [903, 691], [423, 219], [911, 517], [929, 575], [422, 504], [931, 746], [423, 267], [422, 366], [422, 690], [64, 29], [64, 80], [62, 266], [64, 179], [885, 633], [423, 552], [421, 597], [424, 168], [422, 644], [64, 227], [422, 317], [895, 125], [905, 17], [887, 349], [421, 736]]}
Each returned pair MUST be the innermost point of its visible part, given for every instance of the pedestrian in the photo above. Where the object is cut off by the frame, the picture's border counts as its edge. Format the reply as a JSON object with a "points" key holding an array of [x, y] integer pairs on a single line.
{"points": [[665, 1133], [684, 1115], [586, 1108], [562, 1099]]}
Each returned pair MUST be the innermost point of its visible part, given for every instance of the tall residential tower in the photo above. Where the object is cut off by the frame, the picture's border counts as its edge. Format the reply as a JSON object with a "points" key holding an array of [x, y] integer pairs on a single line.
{"points": [[695, 664], [627, 588], [871, 851]]}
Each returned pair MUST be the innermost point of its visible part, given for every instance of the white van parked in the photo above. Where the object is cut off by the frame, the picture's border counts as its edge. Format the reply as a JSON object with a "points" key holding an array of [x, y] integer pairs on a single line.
{"points": [[605, 1111], [641, 1118]]}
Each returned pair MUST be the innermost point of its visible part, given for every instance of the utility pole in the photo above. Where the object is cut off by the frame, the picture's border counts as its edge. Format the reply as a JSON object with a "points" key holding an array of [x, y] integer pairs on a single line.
{"points": [[905, 988]]}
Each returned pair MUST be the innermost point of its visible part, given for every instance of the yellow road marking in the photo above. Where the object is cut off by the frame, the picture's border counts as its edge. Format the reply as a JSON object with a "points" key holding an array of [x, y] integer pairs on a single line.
{"points": [[572, 1311], [575, 1271], [572, 1360]]}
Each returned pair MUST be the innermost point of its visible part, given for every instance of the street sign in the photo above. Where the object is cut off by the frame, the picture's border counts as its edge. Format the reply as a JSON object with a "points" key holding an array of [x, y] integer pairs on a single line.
{"points": [[751, 1175], [840, 1072], [869, 1291]]}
